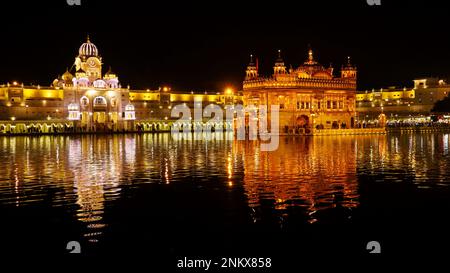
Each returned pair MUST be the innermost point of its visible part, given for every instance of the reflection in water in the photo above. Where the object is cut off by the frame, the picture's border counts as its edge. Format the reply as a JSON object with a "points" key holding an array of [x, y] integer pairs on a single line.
{"points": [[420, 159], [306, 178], [312, 173]]}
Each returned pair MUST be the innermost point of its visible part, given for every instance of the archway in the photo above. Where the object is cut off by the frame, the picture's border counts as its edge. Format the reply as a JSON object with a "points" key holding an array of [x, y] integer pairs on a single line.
{"points": [[302, 121]]}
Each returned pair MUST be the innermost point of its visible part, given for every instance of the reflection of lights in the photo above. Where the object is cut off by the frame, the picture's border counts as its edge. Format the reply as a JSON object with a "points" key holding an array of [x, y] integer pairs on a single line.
{"points": [[166, 170], [229, 167], [13, 118]]}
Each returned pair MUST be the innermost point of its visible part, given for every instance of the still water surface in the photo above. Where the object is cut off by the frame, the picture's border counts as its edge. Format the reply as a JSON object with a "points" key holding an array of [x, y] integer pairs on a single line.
{"points": [[150, 193]]}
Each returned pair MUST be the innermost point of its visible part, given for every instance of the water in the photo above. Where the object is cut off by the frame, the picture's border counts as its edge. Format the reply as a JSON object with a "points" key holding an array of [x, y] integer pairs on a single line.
{"points": [[161, 198]]}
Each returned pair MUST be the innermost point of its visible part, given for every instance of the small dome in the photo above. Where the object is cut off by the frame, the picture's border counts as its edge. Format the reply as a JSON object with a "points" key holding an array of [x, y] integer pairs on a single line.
{"points": [[88, 49], [55, 82], [67, 77], [73, 107], [129, 107]]}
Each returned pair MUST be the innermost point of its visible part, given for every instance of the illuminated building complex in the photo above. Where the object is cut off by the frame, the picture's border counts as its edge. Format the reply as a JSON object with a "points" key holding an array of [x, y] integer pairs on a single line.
{"points": [[402, 103], [309, 96], [85, 98]]}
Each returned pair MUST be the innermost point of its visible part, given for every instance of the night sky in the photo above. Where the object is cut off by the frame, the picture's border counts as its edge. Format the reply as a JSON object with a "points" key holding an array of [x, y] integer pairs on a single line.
{"points": [[195, 45]]}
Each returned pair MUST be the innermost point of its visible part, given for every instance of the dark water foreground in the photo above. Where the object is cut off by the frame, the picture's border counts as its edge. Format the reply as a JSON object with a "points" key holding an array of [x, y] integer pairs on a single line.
{"points": [[150, 197]]}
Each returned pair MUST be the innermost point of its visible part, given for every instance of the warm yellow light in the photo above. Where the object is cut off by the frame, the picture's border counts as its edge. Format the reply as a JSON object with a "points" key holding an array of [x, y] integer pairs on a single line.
{"points": [[13, 118], [91, 92], [229, 91], [14, 83]]}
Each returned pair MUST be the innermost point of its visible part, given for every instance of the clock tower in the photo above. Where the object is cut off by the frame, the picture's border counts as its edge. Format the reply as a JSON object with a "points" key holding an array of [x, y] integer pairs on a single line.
{"points": [[89, 61]]}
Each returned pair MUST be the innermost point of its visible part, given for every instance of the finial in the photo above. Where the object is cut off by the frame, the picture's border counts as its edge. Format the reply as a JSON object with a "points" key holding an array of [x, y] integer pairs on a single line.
{"points": [[279, 53], [251, 58], [88, 39], [310, 55]]}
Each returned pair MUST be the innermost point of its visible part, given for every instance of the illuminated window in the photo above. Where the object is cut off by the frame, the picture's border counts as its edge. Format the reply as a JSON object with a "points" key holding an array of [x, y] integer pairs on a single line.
{"points": [[84, 101]]}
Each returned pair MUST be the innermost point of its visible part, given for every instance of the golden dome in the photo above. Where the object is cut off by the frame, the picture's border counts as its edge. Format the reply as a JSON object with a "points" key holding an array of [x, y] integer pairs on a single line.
{"points": [[67, 77]]}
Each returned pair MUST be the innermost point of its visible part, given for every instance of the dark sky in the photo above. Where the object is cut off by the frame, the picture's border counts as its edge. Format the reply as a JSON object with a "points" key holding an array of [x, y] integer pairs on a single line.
{"points": [[193, 45]]}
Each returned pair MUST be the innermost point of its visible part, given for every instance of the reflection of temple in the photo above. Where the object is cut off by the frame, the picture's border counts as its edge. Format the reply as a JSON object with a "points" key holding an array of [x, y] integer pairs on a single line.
{"points": [[96, 183], [309, 96], [314, 173]]}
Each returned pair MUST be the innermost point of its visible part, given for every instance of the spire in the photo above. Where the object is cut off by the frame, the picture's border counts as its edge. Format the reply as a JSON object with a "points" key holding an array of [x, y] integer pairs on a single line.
{"points": [[251, 60], [87, 39], [349, 63], [252, 69], [279, 60], [310, 56]]}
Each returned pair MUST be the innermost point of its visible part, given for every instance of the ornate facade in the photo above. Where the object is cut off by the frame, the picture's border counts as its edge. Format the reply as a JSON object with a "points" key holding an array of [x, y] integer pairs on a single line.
{"points": [[309, 96], [89, 100]]}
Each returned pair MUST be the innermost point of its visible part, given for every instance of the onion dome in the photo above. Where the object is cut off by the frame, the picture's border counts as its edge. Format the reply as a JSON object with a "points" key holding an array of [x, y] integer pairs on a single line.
{"points": [[67, 77], [55, 82], [88, 49]]}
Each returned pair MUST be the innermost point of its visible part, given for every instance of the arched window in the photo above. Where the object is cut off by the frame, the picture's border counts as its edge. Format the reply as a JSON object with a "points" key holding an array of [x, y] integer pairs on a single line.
{"points": [[84, 101], [99, 101]]}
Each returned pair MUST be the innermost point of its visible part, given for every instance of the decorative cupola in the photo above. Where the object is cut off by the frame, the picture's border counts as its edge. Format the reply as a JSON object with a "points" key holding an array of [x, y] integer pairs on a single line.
{"points": [[348, 71], [252, 70], [279, 67]]}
